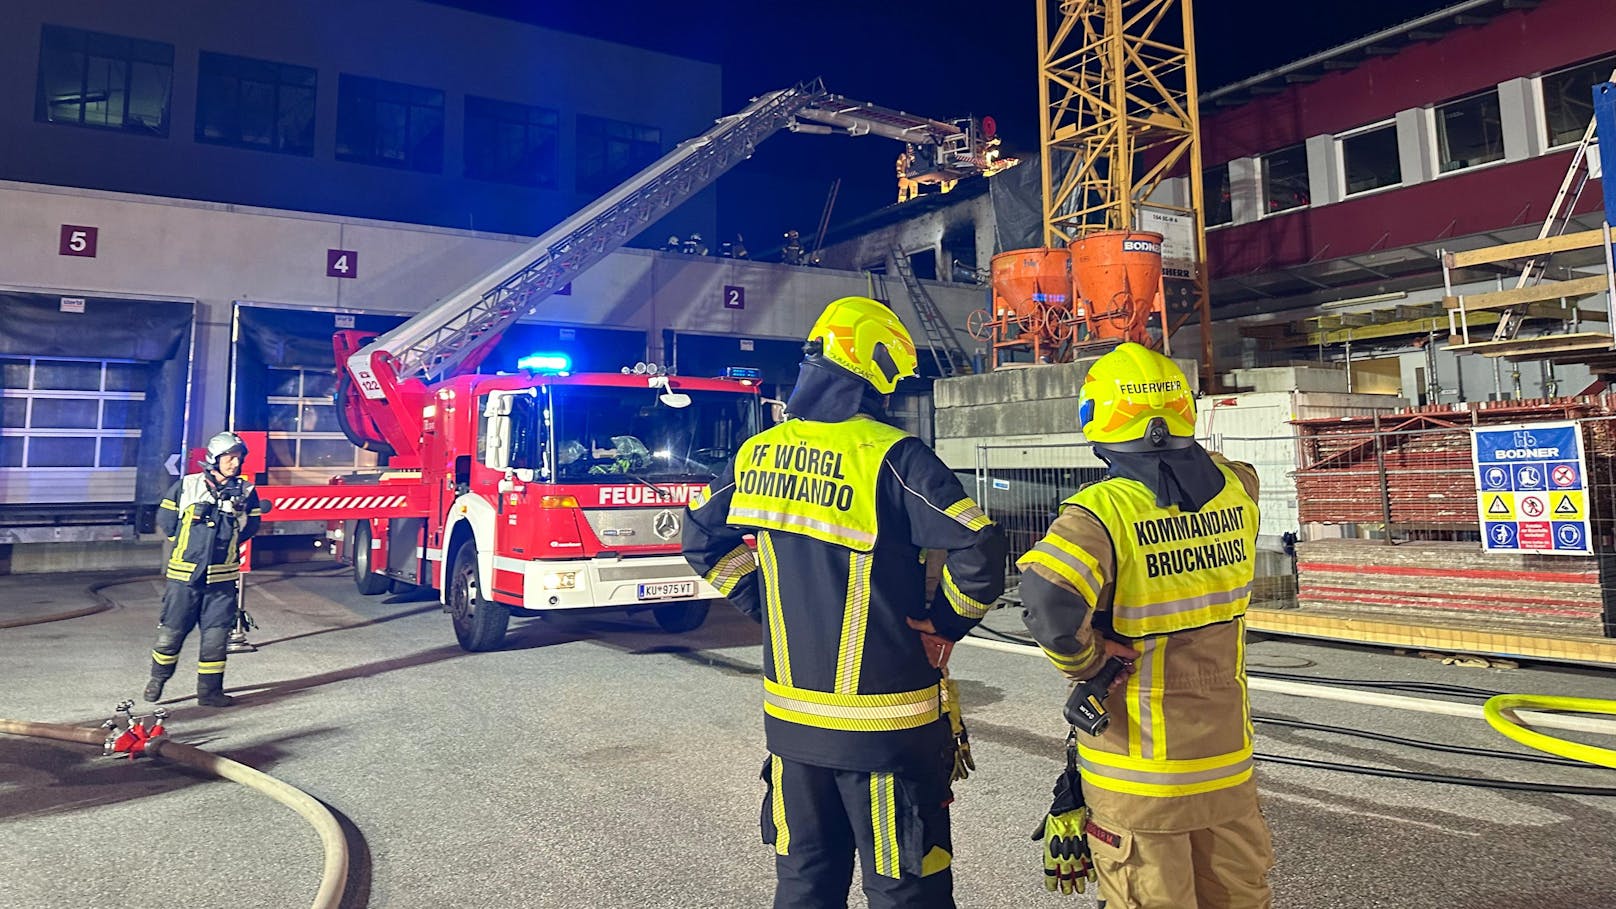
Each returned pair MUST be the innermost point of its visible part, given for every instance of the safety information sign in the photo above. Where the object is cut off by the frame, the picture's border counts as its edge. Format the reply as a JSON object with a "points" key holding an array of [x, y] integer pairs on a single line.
{"points": [[1531, 489]]}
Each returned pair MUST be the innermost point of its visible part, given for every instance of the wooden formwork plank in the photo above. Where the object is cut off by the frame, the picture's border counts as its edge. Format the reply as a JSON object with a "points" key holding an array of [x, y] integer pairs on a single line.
{"points": [[1548, 290], [1580, 240], [1303, 623], [1540, 346]]}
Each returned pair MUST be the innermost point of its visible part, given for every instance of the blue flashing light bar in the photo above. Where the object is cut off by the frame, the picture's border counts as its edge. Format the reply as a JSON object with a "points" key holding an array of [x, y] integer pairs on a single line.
{"points": [[546, 363], [743, 372]]}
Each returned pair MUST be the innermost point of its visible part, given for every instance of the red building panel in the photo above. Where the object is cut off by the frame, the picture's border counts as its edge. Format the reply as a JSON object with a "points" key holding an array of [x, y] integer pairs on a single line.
{"points": [[1469, 59]]}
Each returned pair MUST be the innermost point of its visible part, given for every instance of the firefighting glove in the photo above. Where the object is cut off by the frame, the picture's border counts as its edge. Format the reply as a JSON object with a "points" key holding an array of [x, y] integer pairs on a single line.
{"points": [[1068, 866], [963, 762]]}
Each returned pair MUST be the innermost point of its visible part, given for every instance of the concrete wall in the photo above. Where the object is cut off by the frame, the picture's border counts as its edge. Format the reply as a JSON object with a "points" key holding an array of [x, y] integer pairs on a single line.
{"points": [[418, 43], [1022, 406]]}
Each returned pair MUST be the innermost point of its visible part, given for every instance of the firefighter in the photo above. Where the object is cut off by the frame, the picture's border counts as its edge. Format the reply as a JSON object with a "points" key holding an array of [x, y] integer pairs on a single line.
{"points": [[206, 516], [1153, 565], [843, 506]]}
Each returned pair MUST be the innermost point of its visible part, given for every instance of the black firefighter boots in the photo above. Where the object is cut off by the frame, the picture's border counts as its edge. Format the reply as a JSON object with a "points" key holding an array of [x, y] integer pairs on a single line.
{"points": [[154, 690], [210, 690]]}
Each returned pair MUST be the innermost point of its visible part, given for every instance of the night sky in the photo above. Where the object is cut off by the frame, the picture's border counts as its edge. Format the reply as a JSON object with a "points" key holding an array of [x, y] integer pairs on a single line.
{"points": [[939, 59]]}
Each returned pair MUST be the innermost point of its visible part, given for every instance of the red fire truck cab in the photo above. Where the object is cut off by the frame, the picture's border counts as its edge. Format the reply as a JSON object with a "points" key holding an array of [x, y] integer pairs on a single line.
{"points": [[546, 492]]}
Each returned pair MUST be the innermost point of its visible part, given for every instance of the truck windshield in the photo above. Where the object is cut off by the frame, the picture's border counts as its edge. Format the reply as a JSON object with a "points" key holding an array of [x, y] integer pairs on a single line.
{"points": [[604, 433]]}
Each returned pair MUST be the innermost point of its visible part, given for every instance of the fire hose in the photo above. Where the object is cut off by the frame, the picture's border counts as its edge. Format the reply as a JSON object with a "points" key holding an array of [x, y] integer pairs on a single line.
{"points": [[335, 875], [1493, 711]]}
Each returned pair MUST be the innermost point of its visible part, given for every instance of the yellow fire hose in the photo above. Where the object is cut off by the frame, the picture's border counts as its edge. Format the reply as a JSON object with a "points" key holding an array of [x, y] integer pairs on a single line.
{"points": [[1494, 709], [335, 876]]}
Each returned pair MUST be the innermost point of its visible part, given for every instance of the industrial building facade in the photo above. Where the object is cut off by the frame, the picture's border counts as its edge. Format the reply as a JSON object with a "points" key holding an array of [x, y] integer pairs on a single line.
{"points": [[195, 199]]}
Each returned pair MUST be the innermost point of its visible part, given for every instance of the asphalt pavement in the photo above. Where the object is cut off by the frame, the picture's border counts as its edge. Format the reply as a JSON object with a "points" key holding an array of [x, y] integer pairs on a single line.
{"points": [[598, 761]]}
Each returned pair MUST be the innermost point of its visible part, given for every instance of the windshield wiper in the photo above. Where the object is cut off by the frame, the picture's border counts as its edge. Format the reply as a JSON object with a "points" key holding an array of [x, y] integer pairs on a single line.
{"points": [[660, 492]]}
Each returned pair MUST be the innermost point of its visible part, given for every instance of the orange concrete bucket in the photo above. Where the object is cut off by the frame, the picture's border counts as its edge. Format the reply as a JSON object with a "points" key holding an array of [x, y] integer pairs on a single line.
{"points": [[1117, 275], [1024, 278]]}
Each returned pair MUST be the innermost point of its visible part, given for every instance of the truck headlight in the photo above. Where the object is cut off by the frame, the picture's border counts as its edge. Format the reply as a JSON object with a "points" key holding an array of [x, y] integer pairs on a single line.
{"points": [[560, 580]]}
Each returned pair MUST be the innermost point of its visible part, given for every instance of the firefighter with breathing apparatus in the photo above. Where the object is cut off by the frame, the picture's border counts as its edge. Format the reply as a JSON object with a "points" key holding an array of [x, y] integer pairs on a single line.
{"points": [[206, 516], [1145, 576], [843, 506]]}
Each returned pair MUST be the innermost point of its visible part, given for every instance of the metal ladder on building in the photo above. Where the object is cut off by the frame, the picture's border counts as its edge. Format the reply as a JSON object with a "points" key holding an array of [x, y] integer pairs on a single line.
{"points": [[1559, 217], [455, 333], [945, 347]]}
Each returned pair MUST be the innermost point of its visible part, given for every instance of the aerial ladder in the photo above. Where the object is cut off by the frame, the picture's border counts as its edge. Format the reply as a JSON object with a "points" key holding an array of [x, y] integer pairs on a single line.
{"points": [[383, 384]]}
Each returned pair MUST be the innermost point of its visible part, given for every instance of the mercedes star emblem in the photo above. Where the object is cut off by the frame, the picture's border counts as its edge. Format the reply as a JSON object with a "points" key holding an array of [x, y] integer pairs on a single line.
{"points": [[665, 525]]}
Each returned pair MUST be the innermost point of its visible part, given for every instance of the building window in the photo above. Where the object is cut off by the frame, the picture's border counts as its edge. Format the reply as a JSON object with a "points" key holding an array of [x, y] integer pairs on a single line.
{"points": [[1469, 132], [511, 143], [610, 151], [1218, 198], [1284, 175], [1568, 99], [389, 123], [1369, 159], [106, 81], [306, 443], [255, 103]]}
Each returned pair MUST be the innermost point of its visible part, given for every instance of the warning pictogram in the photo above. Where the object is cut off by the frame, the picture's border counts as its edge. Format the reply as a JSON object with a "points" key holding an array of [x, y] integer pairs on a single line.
{"points": [[1564, 475], [1531, 506], [1498, 506], [1568, 506]]}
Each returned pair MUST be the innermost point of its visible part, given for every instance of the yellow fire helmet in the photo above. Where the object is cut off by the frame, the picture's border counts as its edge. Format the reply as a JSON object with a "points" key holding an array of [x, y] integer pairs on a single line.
{"points": [[868, 340], [1135, 399]]}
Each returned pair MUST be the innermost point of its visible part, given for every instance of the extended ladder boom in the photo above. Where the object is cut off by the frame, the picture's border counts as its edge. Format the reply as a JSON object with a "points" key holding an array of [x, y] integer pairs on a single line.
{"points": [[455, 333]]}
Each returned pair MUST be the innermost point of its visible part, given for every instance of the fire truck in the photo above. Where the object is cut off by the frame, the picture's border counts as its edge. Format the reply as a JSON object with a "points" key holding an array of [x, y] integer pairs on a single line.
{"points": [[518, 494]]}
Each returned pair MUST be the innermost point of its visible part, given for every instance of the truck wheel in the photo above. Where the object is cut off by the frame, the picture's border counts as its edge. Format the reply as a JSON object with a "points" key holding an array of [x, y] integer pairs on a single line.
{"points": [[368, 582], [682, 617], [479, 623]]}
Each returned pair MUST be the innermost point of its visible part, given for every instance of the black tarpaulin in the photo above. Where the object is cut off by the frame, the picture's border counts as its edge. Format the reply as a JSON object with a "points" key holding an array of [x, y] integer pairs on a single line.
{"points": [[155, 332]]}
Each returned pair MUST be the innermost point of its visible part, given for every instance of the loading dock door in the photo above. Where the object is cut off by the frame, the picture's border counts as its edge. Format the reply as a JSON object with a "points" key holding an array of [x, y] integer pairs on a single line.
{"points": [[92, 404]]}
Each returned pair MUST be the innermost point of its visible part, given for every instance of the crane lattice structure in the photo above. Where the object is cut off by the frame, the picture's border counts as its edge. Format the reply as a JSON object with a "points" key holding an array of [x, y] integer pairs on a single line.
{"points": [[1119, 115]]}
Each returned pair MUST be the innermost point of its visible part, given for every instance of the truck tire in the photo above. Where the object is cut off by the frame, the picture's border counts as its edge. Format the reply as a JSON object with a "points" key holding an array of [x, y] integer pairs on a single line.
{"points": [[678, 618], [479, 623], [369, 583]]}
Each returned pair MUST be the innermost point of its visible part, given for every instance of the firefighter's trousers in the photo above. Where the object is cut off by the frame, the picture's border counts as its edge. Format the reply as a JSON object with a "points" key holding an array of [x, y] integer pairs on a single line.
{"points": [[212, 608], [1223, 867], [817, 818]]}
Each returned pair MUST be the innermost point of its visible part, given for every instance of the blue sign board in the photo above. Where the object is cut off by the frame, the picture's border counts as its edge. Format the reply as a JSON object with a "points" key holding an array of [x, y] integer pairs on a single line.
{"points": [[1531, 489]]}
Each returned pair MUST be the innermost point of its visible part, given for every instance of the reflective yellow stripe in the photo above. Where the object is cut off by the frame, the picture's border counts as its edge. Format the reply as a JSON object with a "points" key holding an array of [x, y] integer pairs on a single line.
{"points": [[168, 504], [1067, 561], [855, 621], [1133, 687], [782, 831], [800, 523], [164, 659], [1240, 674], [736, 564], [1154, 700], [852, 712], [209, 667], [701, 498], [963, 603], [1067, 662], [884, 824], [968, 513], [778, 645], [1186, 612], [1167, 778]]}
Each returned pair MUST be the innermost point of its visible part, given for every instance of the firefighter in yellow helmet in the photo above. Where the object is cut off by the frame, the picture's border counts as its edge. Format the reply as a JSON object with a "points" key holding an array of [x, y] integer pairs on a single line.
{"points": [[1153, 565], [206, 517], [843, 506]]}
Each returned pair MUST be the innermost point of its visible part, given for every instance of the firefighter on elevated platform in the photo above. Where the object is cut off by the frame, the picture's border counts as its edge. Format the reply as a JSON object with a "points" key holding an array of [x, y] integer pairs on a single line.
{"points": [[1153, 565], [206, 516], [843, 506]]}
